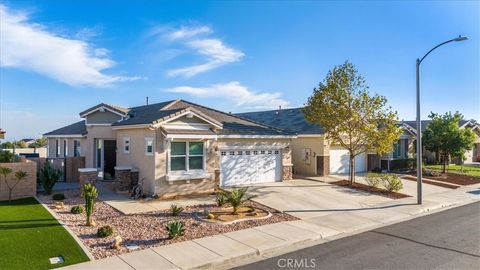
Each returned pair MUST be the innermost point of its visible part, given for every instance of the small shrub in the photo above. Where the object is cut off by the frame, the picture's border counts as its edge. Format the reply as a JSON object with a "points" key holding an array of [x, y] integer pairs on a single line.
{"points": [[220, 198], [78, 209], [377, 170], [175, 210], [48, 176], [7, 157], [58, 197], [391, 182], [373, 179], [104, 231], [175, 228], [210, 216]]}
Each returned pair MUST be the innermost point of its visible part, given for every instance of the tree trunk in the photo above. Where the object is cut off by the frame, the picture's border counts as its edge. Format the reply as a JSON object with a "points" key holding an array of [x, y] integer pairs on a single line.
{"points": [[351, 170], [444, 163], [10, 195]]}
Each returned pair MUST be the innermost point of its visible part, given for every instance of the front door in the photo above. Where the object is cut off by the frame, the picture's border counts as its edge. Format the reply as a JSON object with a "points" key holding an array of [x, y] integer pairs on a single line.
{"points": [[110, 159]]}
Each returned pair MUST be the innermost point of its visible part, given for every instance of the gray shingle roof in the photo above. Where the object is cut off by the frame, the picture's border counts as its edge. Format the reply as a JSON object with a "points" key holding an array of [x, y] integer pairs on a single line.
{"points": [[291, 120], [77, 128], [148, 114], [425, 123]]}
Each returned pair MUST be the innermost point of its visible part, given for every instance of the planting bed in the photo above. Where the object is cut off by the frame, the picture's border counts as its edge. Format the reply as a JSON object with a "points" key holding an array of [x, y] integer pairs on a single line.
{"points": [[373, 190], [224, 214], [414, 178], [146, 229], [455, 178]]}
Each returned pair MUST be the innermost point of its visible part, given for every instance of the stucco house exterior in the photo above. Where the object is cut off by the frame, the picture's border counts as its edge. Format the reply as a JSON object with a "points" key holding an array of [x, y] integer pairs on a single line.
{"points": [[177, 147], [313, 155]]}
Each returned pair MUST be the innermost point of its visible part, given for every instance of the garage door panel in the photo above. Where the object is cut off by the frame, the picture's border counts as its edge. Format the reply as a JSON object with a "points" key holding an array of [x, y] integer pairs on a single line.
{"points": [[243, 169], [340, 159]]}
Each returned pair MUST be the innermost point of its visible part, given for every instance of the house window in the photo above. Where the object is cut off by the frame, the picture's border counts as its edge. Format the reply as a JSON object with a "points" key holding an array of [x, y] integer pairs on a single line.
{"points": [[186, 156], [77, 150], [65, 148], [223, 153], [149, 146], [126, 145], [397, 149], [57, 148]]}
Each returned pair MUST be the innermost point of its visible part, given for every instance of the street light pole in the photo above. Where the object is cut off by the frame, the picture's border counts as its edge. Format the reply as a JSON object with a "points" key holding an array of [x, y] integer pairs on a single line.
{"points": [[419, 122]]}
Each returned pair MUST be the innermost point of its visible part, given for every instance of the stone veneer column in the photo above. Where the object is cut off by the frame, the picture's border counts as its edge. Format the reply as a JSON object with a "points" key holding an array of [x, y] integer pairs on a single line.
{"points": [[134, 177], [87, 176], [287, 166], [123, 179]]}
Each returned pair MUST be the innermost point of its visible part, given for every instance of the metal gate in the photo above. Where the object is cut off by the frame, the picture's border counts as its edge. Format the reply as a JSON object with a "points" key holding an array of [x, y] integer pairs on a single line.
{"points": [[58, 163]]}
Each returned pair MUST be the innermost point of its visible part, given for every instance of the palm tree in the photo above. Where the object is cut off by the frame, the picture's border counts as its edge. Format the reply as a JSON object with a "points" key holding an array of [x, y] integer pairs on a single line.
{"points": [[5, 172]]}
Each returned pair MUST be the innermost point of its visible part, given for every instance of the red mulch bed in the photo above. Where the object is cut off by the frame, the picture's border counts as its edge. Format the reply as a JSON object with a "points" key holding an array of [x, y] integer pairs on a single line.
{"points": [[373, 190], [454, 178], [413, 178]]}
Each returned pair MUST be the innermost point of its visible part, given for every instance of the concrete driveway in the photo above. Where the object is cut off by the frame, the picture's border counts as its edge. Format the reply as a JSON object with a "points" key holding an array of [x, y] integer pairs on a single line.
{"points": [[308, 199]]}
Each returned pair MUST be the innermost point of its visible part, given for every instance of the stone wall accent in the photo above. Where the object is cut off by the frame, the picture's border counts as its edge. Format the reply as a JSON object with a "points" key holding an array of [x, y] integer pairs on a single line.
{"points": [[123, 179], [134, 176], [87, 176], [323, 165], [27, 187], [287, 173]]}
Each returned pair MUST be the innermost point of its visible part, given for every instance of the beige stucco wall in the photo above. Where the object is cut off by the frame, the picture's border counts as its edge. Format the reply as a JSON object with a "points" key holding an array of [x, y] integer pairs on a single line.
{"points": [[88, 147], [70, 145], [42, 152], [105, 117], [137, 157], [318, 147]]}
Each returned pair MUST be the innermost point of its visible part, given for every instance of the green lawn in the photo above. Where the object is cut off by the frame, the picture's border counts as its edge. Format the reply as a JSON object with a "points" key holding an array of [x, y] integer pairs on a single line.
{"points": [[30, 235], [467, 170]]}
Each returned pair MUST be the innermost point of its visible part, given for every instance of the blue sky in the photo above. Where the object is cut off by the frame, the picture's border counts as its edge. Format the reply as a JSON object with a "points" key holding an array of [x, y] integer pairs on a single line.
{"points": [[58, 58]]}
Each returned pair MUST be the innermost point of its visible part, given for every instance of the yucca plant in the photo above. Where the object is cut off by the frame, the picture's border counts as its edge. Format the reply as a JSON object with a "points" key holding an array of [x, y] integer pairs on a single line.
{"points": [[19, 175], [175, 228], [175, 210], [90, 194], [236, 197], [5, 172]]}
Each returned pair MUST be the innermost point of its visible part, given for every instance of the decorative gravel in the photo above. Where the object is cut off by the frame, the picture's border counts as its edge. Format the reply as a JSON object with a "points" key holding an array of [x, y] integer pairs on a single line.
{"points": [[146, 229]]}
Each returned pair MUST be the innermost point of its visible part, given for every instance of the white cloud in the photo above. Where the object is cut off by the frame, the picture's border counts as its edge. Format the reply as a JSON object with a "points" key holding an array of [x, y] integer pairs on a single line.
{"points": [[188, 32], [29, 46], [217, 53], [234, 92]]}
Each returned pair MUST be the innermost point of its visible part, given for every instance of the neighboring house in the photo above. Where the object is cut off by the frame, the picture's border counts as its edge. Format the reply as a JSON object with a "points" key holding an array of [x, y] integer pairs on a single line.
{"points": [[28, 141], [178, 147], [313, 155]]}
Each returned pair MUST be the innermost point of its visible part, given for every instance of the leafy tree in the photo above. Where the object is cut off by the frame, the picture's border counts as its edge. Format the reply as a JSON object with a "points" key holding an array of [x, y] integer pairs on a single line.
{"points": [[41, 142], [20, 144], [19, 175], [444, 136], [351, 116], [7, 145]]}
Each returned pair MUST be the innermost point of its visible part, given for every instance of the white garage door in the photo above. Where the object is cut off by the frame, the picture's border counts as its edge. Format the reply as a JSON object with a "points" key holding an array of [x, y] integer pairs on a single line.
{"points": [[243, 167], [339, 162]]}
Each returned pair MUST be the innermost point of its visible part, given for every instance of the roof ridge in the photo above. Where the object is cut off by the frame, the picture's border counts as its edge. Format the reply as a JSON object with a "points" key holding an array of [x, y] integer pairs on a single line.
{"points": [[236, 116], [295, 108], [156, 103]]}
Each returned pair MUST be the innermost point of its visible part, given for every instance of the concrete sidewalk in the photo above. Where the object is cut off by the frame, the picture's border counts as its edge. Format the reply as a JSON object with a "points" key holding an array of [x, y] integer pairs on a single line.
{"points": [[229, 249]]}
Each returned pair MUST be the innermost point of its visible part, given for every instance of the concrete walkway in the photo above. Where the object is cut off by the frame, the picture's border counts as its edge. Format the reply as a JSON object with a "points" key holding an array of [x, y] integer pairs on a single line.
{"points": [[229, 249], [124, 204]]}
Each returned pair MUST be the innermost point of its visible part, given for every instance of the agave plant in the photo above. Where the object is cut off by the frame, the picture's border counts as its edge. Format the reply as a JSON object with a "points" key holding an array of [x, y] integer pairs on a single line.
{"points": [[175, 228], [237, 197], [175, 210]]}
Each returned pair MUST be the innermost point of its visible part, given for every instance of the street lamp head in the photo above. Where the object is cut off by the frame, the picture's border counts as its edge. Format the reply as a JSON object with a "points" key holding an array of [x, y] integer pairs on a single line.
{"points": [[461, 38]]}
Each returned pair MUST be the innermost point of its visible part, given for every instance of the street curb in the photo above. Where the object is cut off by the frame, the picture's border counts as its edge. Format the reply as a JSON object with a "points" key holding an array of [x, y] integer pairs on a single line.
{"points": [[291, 247], [74, 236]]}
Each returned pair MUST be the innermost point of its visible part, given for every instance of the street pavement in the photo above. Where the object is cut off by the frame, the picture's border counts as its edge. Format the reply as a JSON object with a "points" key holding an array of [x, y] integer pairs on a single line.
{"points": [[446, 240]]}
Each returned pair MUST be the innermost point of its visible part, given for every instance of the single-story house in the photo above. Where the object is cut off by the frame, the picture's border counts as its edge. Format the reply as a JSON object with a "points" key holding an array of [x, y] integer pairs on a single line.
{"points": [[178, 147], [313, 155]]}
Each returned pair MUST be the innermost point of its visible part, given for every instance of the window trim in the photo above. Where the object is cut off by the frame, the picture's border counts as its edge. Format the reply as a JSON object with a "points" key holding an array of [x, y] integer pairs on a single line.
{"points": [[147, 139], [187, 158], [125, 151]]}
